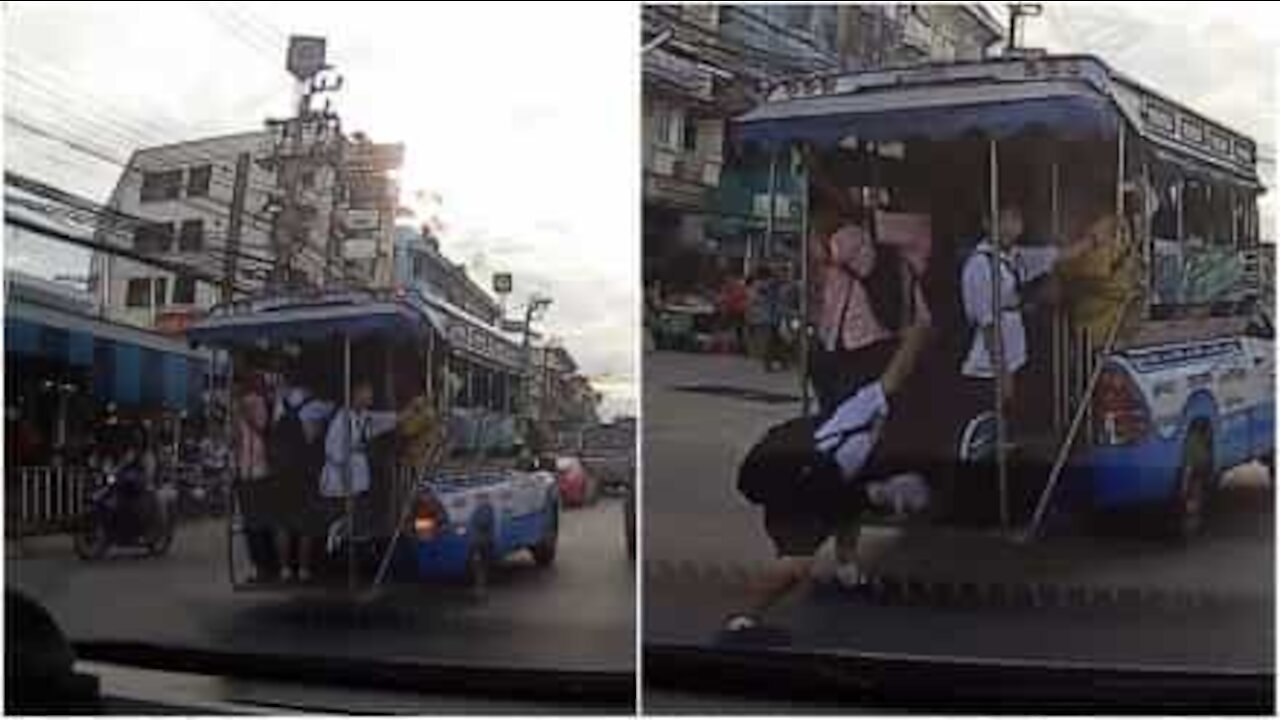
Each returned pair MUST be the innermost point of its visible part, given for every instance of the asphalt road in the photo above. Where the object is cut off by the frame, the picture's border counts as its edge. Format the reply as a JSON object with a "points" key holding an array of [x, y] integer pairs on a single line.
{"points": [[577, 615], [1122, 599]]}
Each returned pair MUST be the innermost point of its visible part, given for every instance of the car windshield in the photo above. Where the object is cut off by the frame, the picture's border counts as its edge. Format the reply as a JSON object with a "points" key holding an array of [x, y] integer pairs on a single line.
{"points": [[294, 297], [954, 359]]}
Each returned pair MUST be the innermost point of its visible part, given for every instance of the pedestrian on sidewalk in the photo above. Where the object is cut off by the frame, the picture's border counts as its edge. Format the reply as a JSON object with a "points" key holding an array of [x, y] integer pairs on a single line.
{"points": [[731, 307], [761, 311]]}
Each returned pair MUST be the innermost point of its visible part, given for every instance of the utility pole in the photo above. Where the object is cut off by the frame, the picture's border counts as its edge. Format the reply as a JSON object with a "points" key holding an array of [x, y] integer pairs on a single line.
{"points": [[291, 160], [234, 225], [536, 303]]}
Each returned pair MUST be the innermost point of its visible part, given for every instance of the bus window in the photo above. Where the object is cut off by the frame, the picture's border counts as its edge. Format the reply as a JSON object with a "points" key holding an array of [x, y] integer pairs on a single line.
{"points": [[1164, 224]]}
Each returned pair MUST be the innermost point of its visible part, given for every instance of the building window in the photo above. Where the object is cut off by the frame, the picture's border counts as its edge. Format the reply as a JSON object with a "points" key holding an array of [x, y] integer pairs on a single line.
{"points": [[161, 288], [198, 181], [690, 135], [164, 185], [666, 125], [184, 290], [137, 292], [153, 238], [191, 236], [308, 179]]}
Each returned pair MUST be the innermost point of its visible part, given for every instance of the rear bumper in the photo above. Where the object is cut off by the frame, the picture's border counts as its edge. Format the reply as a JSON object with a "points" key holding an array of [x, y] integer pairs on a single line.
{"points": [[442, 556], [1127, 475]]}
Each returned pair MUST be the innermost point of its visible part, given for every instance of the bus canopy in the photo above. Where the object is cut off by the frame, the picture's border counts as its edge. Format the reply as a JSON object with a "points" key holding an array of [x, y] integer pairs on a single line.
{"points": [[307, 318], [1074, 97]]}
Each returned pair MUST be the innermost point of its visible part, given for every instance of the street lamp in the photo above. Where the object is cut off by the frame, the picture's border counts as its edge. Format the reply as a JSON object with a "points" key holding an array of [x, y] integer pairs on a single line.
{"points": [[536, 303]]}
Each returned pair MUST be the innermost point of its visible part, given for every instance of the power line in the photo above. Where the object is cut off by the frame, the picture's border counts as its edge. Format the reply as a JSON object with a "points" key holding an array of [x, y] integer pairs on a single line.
{"points": [[741, 48], [258, 221], [177, 268]]}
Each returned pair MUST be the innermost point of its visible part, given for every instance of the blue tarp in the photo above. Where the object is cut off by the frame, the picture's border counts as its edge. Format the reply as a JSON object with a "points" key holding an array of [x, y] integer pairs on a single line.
{"points": [[80, 349], [875, 117], [128, 374], [21, 337], [175, 383]]}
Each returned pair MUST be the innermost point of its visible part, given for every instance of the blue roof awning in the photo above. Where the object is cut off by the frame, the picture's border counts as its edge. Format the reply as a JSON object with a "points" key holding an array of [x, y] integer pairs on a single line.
{"points": [[1070, 110]]}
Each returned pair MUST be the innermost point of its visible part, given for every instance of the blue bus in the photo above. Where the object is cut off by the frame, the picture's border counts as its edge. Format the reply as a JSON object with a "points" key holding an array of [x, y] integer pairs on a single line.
{"points": [[1150, 366]]}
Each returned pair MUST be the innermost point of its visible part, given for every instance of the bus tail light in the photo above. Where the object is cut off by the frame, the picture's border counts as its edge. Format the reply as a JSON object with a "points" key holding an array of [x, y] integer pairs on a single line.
{"points": [[1120, 415], [428, 519]]}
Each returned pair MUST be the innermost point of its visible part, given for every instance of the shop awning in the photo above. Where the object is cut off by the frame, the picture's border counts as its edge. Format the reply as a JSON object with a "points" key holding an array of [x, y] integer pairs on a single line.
{"points": [[1069, 109]]}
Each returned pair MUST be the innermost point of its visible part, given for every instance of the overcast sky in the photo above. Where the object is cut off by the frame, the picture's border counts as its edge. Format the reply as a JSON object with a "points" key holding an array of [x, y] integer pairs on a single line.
{"points": [[522, 119], [518, 118]]}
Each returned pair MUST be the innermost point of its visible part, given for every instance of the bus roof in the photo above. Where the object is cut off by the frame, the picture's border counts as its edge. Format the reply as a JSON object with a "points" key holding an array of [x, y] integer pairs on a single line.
{"points": [[357, 312], [301, 317], [1071, 95]]}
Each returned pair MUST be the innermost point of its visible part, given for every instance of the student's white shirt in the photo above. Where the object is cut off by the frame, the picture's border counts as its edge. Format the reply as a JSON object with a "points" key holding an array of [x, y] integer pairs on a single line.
{"points": [[1028, 263], [368, 424]]}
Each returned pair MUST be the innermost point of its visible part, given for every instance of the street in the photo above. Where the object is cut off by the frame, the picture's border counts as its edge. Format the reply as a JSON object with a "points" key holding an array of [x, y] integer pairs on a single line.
{"points": [[1066, 597], [578, 615]]}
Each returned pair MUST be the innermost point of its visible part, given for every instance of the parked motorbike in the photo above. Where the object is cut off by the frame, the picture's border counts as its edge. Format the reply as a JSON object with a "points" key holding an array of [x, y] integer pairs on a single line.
{"points": [[124, 512], [202, 492]]}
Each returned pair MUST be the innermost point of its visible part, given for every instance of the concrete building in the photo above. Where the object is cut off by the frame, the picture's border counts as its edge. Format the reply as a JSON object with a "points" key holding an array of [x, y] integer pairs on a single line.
{"points": [[418, 261], [714, 64], [184, 193]]}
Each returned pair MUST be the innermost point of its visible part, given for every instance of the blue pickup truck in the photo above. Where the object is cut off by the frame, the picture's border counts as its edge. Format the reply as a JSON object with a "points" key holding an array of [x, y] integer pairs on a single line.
{"points": [[1168, 420], [465, 522]]}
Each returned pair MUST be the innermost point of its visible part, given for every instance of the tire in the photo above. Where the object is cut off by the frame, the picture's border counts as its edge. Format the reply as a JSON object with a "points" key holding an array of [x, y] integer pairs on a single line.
{"points": [[91, 542], [1188, 508], [544, 553], [163, 540]]}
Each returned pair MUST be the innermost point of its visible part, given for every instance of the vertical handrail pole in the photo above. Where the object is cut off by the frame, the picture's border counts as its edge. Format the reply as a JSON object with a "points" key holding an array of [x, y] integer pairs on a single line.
{"points": [[234, 506], [767, 251], [802, 330], [1002, 478], [1058, 331], [1077, 420], [349, 500]]}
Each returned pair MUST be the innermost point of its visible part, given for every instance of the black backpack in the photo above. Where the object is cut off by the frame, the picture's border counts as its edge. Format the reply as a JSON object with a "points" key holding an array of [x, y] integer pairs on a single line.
{"points": [[784, 468], [287, 445]]}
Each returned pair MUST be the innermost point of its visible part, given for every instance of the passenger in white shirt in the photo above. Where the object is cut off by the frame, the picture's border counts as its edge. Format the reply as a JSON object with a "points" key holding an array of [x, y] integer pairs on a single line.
{"points": [[367, 424], [1017, 264]]}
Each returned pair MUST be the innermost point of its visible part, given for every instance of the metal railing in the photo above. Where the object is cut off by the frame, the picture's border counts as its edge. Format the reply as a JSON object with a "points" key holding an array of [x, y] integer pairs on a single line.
{"points": [[44, 500]]}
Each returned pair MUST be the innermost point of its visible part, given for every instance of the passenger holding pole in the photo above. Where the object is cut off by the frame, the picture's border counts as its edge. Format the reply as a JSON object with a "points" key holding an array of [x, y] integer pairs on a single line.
{"points": [[1019, 264]]}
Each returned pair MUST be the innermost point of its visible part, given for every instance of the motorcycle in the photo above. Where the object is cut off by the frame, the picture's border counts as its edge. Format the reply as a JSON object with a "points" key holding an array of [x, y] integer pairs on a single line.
{"points": [[124, 512]]}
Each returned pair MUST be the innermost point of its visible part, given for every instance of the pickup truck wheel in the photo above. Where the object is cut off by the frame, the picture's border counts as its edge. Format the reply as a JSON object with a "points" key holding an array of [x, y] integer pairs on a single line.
{"points": [[90, 542], [1185, 516], [544, 553]]}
